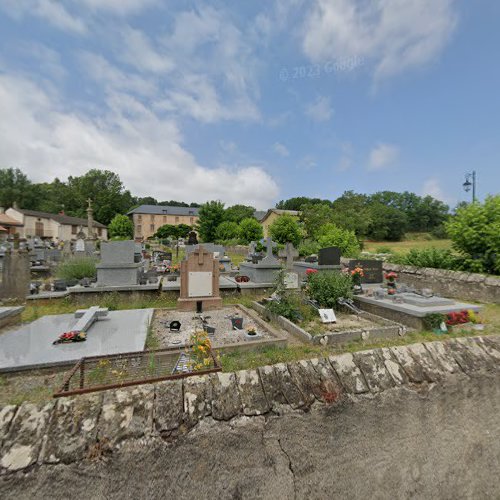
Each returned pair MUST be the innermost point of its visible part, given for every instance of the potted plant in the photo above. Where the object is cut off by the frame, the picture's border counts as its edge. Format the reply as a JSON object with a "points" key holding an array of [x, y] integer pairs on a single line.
{"points": [[476, 322], [356, 274], [391, 278]]}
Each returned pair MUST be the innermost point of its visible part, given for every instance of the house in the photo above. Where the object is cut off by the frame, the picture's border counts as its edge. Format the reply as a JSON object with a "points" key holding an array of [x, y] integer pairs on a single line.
{"points": [[52, 226], [8, 225], [271, 215], [148, 219]]}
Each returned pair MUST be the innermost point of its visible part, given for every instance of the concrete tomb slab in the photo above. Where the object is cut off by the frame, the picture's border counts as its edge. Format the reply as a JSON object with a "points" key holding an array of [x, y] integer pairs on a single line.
{"points": [[31, 345]]}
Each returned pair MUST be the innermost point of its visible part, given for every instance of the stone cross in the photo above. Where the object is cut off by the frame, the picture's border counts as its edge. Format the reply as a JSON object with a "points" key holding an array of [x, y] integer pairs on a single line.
{"points": [[290, 253], [87, 317], [90, 221], [269, 258]]}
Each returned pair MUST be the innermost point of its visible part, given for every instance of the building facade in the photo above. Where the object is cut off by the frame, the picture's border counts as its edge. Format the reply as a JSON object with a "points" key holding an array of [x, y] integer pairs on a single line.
{"points": [[59, 227], [148, 219]]}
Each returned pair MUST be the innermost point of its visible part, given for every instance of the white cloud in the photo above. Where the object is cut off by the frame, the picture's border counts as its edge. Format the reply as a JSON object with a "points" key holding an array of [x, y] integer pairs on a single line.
{"points": [[281, 149], [383, 156], [393, 34], [40, 137], [320, 110], [49, 10], [121, 7], [433, 188]]}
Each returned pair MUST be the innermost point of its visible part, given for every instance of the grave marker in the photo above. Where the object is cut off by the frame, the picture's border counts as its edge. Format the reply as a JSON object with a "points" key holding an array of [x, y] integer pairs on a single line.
{"points": [[372, 270], [290, 253], [329, 256]]}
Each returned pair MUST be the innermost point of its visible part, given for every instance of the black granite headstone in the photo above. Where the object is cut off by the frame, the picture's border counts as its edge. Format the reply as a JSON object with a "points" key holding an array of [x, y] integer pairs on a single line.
{"points": [[192, 238], [329, 256], [372, 270]]}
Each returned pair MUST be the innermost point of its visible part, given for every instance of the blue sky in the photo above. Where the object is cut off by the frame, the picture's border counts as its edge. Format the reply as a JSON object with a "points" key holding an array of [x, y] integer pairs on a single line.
{"points": [[256, 102]]}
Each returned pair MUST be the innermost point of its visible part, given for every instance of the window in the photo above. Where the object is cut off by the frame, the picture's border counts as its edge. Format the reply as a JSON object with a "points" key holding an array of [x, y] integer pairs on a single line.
{"points": [[138, 229], [139, 217], [152, 228], [74, 229], [99, 232], [176, 220]]}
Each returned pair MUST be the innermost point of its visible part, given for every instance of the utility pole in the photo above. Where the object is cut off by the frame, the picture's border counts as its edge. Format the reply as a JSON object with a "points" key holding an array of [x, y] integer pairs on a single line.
{"points": [[470, 183]]}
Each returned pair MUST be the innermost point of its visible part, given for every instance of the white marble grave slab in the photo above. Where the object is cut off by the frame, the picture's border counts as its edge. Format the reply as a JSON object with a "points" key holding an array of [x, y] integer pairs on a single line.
{"points": [[327, 316], [200, 284]]}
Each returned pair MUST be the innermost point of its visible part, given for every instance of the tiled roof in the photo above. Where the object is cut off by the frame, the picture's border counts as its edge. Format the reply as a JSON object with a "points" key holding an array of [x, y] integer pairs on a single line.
{"points": [[278, 211], [164, 210], [61, 218], [9, 221]]}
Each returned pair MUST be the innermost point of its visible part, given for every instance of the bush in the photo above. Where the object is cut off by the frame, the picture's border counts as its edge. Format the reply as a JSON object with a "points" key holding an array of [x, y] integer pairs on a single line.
{"points": [[436, 258], [285, 307], [121, 228], [308, 247], [250, 230], [334, 236], [286, 229], [327, 287], [77, 268], [440, 232], [227, 230], [475, 232]]}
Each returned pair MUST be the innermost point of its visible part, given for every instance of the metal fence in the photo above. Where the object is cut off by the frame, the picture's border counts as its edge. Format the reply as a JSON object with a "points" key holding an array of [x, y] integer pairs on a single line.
{"points": [[99, 373]]}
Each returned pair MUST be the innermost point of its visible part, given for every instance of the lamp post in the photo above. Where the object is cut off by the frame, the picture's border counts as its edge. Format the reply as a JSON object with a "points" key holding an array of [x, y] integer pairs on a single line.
{"points": [[470, 183]]}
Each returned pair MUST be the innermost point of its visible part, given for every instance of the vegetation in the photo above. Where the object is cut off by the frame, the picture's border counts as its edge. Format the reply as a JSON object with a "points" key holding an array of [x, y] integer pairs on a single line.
{"points": [[227, 230], [169, 231], [211, 214], [286, 229], [332, 235], [475, 233], [250, 230], [428, 257], [121, 227], [327, 287], [77, 268]]}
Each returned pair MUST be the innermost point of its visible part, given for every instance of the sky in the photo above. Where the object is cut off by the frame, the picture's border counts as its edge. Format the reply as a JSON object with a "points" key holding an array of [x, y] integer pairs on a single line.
{"points": [[254, 102]]}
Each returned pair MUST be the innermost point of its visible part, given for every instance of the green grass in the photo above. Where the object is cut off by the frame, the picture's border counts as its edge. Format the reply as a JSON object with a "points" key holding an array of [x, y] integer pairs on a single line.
{"points": [[405, 246]]}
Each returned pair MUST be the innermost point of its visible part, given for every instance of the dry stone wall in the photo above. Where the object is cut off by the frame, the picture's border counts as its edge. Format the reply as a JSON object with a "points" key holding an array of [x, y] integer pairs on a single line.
{"points": [[70, 430]]}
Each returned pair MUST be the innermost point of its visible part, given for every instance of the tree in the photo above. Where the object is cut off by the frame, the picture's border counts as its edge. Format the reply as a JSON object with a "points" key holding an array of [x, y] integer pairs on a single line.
{"points": [[121, 227], [211, 214], [250, 230], [386, 223], [227, 230], [475, 232], [106, 191], [352, 211], [284, 229], [171, 231], [334, 236], [15, 187], [237, 213], [314, 216], [298, 202]]}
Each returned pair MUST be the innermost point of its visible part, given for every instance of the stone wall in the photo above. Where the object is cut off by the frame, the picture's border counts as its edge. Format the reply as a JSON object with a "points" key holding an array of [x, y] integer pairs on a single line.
{"points": [[453, 284], [71, 430]]}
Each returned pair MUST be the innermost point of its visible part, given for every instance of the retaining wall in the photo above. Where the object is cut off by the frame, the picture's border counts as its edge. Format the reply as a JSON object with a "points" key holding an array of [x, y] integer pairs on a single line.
{"points": [[70, 430]]}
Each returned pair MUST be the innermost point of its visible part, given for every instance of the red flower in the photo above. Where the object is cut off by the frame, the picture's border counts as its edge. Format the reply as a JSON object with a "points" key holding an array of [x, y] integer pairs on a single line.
{"points": [[311, 271]]}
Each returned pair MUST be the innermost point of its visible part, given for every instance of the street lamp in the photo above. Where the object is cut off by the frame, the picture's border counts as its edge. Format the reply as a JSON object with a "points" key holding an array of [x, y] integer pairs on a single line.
{"points": [[468, 185]]}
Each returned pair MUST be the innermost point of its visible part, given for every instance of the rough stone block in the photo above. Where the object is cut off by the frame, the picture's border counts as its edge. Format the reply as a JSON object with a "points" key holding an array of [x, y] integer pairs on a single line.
{"points": [[430, 366], [72, 429], [443, 357], [252, 395], [126, 413], [349, 374], [226, 402], [23, 442], [413, 369], [393, 367], [374, 370], [197, 399], [169, 406], [292, 393], [272, 385], [481, 359], [6, 415], [306, 379]]}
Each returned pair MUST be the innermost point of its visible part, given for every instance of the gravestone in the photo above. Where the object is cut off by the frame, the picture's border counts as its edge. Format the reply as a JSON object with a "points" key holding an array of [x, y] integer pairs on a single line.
{"points": [[87, 317], [290, 254], [329, 256], [192, 238], [199, 282], [372, 270], [117, 266], [263, 271], [80, 247], [15, 274], [269, 258], [291, 280], [209, 247]]}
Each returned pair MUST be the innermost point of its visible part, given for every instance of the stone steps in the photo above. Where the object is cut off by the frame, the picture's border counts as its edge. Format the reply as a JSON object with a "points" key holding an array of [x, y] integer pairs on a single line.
{"points": [[71, 429]]}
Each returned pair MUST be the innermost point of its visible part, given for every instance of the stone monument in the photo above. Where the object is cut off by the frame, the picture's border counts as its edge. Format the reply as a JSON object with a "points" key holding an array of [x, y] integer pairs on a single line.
{"points": [[15, 273], [265, 270], [117, 266], [328, 260], [199, 282]]}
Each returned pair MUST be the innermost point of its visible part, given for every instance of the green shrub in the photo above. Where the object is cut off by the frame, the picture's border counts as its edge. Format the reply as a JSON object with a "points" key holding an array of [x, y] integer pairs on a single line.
{"points": [[77, 268], [308, 247], [334, 236], [385, 250], [327, 287], [436, 258], [286, 228], [285, 308], [440, 232]]}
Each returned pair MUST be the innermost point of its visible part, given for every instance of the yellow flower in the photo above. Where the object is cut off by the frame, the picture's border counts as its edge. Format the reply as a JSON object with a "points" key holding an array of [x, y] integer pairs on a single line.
{"points": [[206, 361]]}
